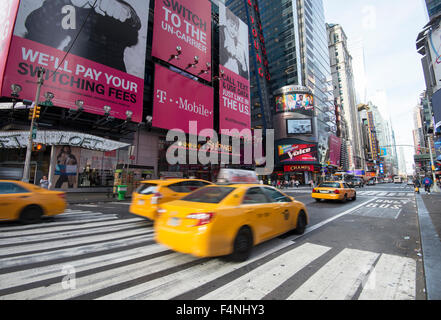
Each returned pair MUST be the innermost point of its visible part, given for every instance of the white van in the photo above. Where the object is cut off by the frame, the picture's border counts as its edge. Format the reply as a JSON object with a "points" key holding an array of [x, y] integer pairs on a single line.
{"points": [[397, 179]]}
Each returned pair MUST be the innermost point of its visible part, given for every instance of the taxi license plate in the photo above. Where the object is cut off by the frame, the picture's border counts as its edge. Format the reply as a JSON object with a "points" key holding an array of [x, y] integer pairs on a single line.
{"points": [[141, 202], [324, 191], [174, 222]]}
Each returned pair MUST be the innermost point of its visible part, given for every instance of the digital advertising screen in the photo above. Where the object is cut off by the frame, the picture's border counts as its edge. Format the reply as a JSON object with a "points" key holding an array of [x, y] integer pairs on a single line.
{"points": [[181, 32], [103, 66], [178, 100], [299, 126], [294, 101], [234, 84], [297, 153]]}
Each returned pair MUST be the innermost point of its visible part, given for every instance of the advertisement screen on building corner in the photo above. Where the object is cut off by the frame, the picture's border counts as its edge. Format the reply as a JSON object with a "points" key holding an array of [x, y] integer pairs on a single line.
{"points": [[234, 84], [106, 48], [8, 13], [182, 35]]}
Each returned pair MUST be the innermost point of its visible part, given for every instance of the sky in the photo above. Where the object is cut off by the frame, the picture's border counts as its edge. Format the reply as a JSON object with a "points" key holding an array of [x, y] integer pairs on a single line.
{"points": [[394, 77]]}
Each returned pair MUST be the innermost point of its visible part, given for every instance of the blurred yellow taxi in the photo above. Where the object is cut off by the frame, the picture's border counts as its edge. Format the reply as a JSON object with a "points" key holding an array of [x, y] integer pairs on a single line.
{"points": [[151, 193], [334, 190], [228, 219], [27, 202]]}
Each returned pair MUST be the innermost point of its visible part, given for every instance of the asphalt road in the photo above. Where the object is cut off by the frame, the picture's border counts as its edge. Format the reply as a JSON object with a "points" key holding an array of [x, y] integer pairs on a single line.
{"points": [[364, 249]]}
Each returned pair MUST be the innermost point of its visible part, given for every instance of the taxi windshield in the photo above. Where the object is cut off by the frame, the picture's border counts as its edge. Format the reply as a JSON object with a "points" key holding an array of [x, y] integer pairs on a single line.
{"points": [[330, 185], [209, 194]]}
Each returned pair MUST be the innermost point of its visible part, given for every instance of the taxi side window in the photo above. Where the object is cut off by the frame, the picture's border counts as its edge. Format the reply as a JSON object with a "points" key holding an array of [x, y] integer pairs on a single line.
{"points": [[9, 188], [254, 196], [194, 185], [345, 186], [276, 196]]}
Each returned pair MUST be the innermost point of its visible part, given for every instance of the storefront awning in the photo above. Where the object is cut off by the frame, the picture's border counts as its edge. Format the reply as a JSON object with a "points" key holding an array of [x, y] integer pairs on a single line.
{"points": [[19, 139]]}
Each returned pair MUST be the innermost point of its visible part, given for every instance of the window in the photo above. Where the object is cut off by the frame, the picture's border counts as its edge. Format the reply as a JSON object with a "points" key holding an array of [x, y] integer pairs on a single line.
{"points": [[276, 196], [209, 195], [330, 185], [187, 186], [9, 188], [255, 196], [147, 188]]}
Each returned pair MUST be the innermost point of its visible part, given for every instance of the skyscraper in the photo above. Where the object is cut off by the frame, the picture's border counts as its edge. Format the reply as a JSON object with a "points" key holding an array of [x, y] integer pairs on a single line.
{"points": [[344, 91], [294, 33], [433, 8]]}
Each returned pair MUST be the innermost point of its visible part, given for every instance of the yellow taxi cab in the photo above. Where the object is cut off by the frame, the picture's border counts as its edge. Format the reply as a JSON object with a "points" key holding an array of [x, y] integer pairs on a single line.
{"points": [[334, 190], [27, 202], [229, 219], [151, 193]]}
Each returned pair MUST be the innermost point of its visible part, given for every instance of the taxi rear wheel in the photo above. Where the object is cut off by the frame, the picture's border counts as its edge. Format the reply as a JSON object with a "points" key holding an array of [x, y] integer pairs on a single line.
{"points": [[301, 223], [243, 244], [31, 214]]}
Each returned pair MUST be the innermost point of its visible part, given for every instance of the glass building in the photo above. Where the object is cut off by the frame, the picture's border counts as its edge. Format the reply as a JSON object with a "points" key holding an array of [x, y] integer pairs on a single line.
{"points": [[297, 50]]}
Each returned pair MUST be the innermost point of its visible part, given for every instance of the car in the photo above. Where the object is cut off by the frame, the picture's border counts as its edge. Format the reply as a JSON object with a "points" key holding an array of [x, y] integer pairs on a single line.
{"points": [[28, 203], [371, 182], [410, 182], [334, 190], [356, 182], [228, 220], [151, 193]]}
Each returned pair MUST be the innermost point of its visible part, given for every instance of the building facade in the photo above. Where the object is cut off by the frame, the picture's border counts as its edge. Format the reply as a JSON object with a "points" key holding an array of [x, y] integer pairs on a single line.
{"points": [[344, 92]]}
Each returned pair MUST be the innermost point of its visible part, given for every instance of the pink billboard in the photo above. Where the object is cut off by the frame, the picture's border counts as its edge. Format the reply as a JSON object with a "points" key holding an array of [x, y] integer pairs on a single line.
{"points": [[8, 12], [234, 85], [182, 35], [334, 150], [177, 100], [91, 53]]}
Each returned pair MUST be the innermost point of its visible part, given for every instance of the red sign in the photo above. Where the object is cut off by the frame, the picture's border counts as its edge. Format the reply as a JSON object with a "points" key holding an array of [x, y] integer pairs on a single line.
{"points": [[334, 150], [177, 100], [8, 12], [181, 32], [234, 104], [298, 152], [302, 167], [99, 70]]}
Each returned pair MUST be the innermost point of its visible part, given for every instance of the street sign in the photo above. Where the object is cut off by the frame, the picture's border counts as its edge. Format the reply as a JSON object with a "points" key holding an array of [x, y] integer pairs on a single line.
{"points": [[34, 131]]}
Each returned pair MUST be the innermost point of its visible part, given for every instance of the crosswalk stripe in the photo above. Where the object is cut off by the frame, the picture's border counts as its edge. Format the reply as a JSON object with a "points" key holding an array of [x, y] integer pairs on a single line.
{"points": [[45, 257], [176, 284], [42, 231], [259, 282], [23, 249], [103, 280], [339, 279], [41, 237], [393, 278], [19, 278]]}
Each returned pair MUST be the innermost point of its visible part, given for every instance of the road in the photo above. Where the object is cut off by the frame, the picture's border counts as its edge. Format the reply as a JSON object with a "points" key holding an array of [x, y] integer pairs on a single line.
{"points": [[360, 250]]}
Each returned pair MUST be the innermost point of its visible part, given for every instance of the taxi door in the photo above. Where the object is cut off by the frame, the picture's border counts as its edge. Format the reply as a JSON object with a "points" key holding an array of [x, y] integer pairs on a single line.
{"points": [[12, 199], [284, 211], [259, 213]]}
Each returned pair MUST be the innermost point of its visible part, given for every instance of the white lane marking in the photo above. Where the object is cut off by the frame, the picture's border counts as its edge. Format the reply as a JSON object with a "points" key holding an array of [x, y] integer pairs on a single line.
{"points": [[264, 279], [72, 252], [393, 278], [339, 279], [37, 274], [175, 284], [42, 231], [71, 242], [102, 280], [67, 234]]}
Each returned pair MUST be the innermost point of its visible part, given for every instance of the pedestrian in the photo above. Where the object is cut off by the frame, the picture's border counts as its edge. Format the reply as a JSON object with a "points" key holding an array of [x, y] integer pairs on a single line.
{"points": [[417, 185], [297, 183], [312, 183], [427, 184], [278, 184], [286, 184], [44, 182]]}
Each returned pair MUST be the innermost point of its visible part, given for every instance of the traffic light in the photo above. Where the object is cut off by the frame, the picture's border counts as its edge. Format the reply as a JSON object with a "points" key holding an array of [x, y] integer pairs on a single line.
{"points": [[31, 113], [36, 147], [37, 112]]}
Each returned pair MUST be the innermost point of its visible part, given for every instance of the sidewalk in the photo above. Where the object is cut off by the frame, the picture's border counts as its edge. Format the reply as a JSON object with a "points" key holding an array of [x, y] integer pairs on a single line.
{"points": [[92, 197], [429, 218]]}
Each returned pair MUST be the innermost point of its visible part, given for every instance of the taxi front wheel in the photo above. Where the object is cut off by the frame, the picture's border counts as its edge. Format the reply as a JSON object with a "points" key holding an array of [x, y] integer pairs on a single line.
{"points": [[31, 214], [301, 223], [243, 244]]}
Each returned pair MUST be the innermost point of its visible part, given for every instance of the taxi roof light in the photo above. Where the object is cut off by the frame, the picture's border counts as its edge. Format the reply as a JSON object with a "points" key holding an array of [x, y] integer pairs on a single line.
{"points": [[202, 218]]}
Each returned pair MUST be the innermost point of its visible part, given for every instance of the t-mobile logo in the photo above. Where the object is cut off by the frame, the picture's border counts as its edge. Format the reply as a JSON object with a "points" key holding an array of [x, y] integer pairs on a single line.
{"points": [[161, 95]]}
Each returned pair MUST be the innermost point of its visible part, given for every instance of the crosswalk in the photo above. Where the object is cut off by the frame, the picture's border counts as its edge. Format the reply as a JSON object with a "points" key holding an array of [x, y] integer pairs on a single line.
{"points": [[405, 194], [88, 255]]}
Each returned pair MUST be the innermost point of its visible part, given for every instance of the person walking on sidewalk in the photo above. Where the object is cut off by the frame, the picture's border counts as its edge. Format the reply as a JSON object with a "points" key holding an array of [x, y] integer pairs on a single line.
{"points": [[417, 185], [427, 184], [44, 183]]}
